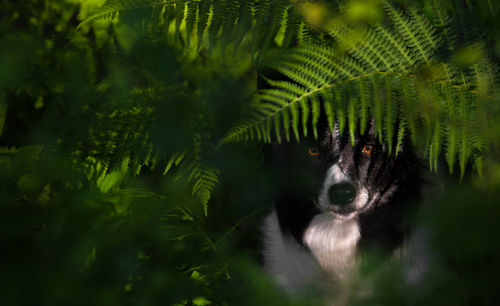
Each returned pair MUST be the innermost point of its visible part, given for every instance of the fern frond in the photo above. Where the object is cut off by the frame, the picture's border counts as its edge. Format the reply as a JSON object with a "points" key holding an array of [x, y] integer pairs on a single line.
{"points": [[180, 8], [315, 113], [220, 24], [174, 160], [435, 146], [292, 26], [277, 12], [451, 127], [392, 73], [410, 32], [378, 111], [332, 102], [202, 20], [244, 22], [344, 35], [111, 8], [231, 16], [204, 181], [352, 118], [465, 148], [424, 28], [365, 104], [191, 14], [217, 20], [403, 56], [401, 134], [304, 35], [390, 113], [442, 21]]}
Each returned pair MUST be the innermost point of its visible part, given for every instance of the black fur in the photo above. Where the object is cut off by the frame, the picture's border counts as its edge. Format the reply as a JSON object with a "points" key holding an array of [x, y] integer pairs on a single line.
{"points": [[393, 182]]}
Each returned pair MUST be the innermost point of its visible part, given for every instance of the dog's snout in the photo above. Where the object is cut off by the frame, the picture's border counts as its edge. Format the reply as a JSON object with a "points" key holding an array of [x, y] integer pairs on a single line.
{"points": [[342, 194]]}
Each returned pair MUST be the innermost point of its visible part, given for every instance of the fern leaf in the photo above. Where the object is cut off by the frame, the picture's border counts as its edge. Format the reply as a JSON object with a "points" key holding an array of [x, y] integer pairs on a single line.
{"points": [[191, 12], [452, 129], [111, 8], [294, 111], [202, 20], [379, 52], [180, 7], [168, 16], [321, 74], [286, 124], [231, 15], [244, 23], [435, 146], [377, 107], [276, 14], [328, 103], [175, 159], [304, 107], [205, 180], [364, 106], [304, 36], [404, 54], [292, 27], [352, 118], [424, 27], [299, 74], [408, 30], [344, 36], [409, 106], [218, 13], [277, 129], [465, 148], [401, 134], [390, 114], [442, 22], [315, 113], [261, 19]]}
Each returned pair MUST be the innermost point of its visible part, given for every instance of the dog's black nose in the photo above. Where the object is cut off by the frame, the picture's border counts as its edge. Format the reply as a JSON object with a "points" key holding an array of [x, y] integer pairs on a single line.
{"points": [[342, 194]]}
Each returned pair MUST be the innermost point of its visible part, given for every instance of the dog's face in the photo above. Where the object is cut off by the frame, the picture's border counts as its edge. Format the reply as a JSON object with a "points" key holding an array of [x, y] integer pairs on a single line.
{"points": [[345, 180], [359, 176]]}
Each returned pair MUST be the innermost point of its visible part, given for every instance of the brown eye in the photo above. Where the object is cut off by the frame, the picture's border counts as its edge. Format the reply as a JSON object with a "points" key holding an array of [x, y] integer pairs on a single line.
{"points": [[368, 149], [313, 151]]}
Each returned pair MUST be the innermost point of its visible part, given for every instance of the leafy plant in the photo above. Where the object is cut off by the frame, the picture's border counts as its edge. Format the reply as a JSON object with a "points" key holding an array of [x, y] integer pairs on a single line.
{"points": [[400, 69], [398, 72], [119, 181]]}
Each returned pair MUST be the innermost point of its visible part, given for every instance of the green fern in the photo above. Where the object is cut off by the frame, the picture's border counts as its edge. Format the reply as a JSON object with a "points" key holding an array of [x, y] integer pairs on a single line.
{"points": [[204, 181], [203, 177], [111, 9], [392, 74], [216, 23], [119, 142]]}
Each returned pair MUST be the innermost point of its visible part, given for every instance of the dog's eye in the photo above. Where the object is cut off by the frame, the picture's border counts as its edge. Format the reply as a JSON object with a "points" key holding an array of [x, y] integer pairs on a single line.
{"points": [[312, 151], [368, 149]]}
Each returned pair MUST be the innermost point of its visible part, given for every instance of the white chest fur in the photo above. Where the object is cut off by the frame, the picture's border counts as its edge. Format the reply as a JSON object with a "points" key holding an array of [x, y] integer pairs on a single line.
{"points": [[333, 243]]}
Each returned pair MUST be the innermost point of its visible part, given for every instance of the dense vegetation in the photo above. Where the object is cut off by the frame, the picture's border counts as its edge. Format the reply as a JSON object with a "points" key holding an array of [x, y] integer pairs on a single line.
{"points": [[131, 135]]}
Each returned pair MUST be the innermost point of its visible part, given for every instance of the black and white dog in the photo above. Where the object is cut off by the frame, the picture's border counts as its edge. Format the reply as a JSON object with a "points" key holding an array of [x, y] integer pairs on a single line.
{"points": [[335, 200]]}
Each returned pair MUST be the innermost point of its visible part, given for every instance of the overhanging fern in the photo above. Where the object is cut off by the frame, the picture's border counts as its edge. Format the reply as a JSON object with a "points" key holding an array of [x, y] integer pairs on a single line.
{"points": [[398, 71], [391, 73]]}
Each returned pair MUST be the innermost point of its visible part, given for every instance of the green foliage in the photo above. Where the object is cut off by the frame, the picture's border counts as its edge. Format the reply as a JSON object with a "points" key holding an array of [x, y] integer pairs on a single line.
{"points": [[392, 72], [114, 185], [223, 24]]}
